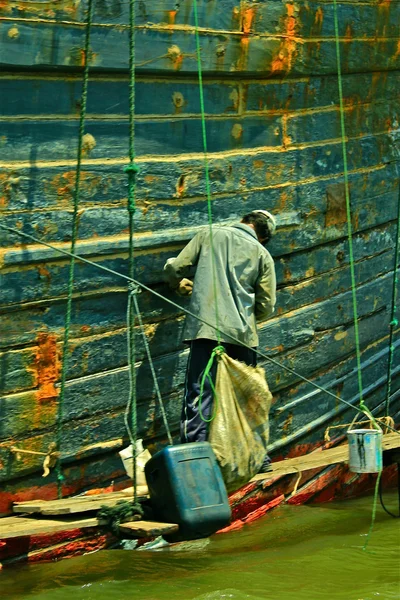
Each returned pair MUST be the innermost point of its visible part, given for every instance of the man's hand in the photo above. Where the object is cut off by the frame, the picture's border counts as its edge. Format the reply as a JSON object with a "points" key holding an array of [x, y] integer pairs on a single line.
{"points": [[185, 287]]}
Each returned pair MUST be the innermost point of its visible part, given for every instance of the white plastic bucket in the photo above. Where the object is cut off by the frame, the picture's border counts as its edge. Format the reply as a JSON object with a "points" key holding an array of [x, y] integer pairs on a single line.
{"points": [[365, 450]]}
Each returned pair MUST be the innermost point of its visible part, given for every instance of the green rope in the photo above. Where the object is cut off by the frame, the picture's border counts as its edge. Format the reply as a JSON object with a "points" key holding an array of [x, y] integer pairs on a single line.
{"points": [[363, 407], [134, 293], [348, 208], [218, 350], [393, 319], [132, 170], [144, 287], [374, 507], [122, 512], [74, 234], [206, 166]]}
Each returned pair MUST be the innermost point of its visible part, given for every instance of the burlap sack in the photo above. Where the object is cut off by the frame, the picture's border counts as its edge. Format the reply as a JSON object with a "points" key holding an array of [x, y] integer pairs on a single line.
{"points": [[240, 430]]}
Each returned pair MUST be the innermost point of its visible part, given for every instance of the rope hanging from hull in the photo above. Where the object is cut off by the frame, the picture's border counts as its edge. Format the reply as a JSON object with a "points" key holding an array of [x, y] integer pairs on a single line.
{"points": [[393, 313], [74, 235], [206, 166], [131, 170]]}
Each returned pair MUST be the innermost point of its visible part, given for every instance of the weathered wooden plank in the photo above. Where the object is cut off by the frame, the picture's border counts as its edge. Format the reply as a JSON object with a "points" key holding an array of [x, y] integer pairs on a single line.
{"points": [[48, 279], [164, 48], [81, 440], [74, 505], [108, 138], [255, 16], [220, 14], [11, 527], [315, 416], [51, 95], [14, 371], [316, 19], [103, 470], [175, 178], [109, 96], [138, 529], [325, 125], [310, 93], [103, 230], [50, 140], [321, 458]]}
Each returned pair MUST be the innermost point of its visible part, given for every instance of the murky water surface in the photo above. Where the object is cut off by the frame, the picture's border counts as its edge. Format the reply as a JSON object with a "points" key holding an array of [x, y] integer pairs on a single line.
{"points": [[299, 553]]}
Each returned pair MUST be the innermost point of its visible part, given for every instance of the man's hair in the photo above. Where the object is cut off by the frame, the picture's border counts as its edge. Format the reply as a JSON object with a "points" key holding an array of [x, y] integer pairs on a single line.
{"points": [[261, 226]]}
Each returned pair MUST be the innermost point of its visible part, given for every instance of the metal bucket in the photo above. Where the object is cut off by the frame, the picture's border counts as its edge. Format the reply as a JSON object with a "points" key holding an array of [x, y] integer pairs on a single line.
{"points": [[365, 450]]}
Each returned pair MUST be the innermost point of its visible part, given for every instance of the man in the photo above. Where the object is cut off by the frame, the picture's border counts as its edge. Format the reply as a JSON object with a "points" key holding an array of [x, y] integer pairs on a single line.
{"points": [[234, 287]]}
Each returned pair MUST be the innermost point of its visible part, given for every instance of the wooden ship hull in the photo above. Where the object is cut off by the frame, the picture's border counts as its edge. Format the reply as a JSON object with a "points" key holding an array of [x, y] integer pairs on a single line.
{"points": [[274, 141]]}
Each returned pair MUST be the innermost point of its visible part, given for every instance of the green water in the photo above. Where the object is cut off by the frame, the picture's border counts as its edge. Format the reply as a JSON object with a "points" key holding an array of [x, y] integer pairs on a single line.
{"points": [[299, 553]]}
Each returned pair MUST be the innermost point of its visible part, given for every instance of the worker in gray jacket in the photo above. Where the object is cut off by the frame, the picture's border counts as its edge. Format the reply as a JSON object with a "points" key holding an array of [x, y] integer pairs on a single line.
{"points": [[234, 287]]}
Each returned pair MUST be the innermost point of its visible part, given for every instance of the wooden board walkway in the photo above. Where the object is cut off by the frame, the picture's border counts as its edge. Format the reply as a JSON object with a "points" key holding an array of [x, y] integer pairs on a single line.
{"points": [[77, 504], [29, 525], [12, 527], [138, 529], [321, 458]]}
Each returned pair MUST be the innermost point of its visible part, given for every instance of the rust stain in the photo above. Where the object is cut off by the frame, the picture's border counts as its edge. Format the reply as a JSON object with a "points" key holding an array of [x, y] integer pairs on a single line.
{"points": [[43, 272], [279, 348], [171, 15], [88, 144], [176, 56], [283, 200], [64, 184], [319, 17], [258, 164], [247, 18], [283, 61], [77, 56], [5, 190], [286, 139], [180, 186], [310, 272], [13, 33], [348, 38], [41, 9], [178, 101], [287, 424], [336, 213], [237, 131], [47, 367], [234, 96]]}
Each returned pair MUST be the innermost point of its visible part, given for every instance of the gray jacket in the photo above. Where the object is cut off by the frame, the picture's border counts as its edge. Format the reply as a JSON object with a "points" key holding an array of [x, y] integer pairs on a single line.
{"points": [[244, 280]]}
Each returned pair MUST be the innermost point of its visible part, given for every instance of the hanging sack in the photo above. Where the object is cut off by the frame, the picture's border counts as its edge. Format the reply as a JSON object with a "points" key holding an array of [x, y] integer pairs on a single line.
{"points": [[239, 432]]}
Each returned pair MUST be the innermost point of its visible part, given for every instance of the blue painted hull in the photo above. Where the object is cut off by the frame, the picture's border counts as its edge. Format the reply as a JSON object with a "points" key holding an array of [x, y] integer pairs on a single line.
{"points": [[274, 139]]}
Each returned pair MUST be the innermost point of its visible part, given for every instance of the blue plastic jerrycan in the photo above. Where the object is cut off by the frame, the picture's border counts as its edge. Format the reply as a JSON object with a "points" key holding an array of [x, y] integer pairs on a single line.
{"points": [[186, 487]]}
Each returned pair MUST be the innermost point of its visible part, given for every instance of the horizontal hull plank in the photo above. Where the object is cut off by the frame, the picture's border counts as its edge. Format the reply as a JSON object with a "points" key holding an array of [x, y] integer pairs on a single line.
{"points": [[58, 95], [56, 139], [258, 17], [161, 48]]}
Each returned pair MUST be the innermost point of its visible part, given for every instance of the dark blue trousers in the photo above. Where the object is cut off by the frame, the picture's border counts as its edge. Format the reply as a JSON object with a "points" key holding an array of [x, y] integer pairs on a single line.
{"points": [[193, 428]]}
